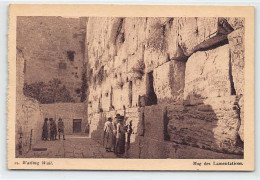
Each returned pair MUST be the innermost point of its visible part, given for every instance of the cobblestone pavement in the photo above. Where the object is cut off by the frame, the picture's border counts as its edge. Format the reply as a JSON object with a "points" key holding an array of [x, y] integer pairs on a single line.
{"points": [[72, 147]]}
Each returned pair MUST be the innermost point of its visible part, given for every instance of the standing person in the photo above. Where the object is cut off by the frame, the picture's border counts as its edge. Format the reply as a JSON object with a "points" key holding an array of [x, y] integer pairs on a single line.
{"points": [[129, 130], [120, 136], [61, 128], [45, 130], [54, 130], [48, 128], [114, 123], [51, 129], [108, 134]]}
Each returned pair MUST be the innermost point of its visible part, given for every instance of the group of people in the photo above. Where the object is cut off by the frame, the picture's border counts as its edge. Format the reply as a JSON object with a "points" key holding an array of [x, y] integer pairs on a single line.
{"points": [[117, 134], [49, 129]]}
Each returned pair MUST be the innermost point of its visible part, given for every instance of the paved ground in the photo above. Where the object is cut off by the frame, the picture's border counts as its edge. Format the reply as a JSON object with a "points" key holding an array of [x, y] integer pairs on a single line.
{"points": [[72, 147]]}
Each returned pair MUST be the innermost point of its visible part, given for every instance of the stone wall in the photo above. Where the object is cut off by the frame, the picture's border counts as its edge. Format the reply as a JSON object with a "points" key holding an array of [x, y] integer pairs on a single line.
{"points": [[68, 112], [53, 48], [180, 80], [29, 118]]}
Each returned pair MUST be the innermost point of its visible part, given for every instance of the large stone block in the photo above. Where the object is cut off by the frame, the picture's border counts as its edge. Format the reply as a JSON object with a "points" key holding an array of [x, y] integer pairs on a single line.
{"points": [[207, 74], [139, 89], [201, 33], [237, 54], [96, 122], [134, 114], [236, 22], [169, 82], [212, 124], [94, 103], [135, 34], [193, 31], [106, 98], [120, 99], [154, 122], [29, 121], [156, 46]]}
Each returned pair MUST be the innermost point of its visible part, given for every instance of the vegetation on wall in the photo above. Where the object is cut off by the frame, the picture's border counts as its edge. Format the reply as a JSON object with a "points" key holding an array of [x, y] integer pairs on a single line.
{"points": [[138, 69], [84, 87], [50, 92], [120, 83]]}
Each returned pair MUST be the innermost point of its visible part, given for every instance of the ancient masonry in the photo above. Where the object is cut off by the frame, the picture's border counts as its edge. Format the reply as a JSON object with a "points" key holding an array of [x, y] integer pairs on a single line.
{"points": [[28, 113], [180, 80], [48, 48], [53, 47]]}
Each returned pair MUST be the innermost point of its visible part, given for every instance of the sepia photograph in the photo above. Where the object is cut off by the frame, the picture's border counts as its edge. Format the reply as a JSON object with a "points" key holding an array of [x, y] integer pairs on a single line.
{"points": [[137, 87]]}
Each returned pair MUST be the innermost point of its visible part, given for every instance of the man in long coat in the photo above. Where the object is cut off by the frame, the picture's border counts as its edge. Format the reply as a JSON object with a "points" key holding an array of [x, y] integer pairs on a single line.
{"points": [[114, 123], [45, 130], [120, 136], [108, 135], [61, 128], [54, 130], [51, 129]]}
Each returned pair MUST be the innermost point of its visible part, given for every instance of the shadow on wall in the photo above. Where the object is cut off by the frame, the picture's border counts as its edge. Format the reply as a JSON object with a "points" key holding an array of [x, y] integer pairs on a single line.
{"points": [[208, 124], [96, 130], [199, 128], [196, 129]]}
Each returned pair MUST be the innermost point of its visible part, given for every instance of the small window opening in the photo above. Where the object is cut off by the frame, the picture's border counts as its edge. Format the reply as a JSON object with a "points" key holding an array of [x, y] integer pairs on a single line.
{"points": [[70, 55]]}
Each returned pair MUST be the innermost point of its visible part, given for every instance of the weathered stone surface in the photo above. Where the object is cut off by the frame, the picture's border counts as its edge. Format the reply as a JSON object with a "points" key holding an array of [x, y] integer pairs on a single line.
{"points": [[156, 45], [146, 148], [185, 64], [96, 122], [193, 31], [207, 74], [237, 55], [236, 22], [212, 124], [29, 118], [46, 42], [169, 82], [241, 110], [154, 125]]}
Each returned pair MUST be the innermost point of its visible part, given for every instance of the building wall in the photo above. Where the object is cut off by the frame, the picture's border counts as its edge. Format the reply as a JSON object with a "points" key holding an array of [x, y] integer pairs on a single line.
{"points": [[29, 118], [180, 80], [46, 42], [68, 112]]}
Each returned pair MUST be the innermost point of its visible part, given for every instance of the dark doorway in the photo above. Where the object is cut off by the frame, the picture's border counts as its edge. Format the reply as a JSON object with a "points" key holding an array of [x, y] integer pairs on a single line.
{"points": [[151, 97], [77, 125]]}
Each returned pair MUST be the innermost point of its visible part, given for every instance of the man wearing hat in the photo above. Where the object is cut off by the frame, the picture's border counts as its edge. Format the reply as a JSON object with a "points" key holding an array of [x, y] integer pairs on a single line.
{"points": [[108, 134], [51, 129], [61, 128], [120, 136], [114, 123]]}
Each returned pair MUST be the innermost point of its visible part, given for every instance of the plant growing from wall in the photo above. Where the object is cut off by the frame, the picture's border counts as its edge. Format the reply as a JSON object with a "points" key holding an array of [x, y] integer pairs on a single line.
{"points": [[139, 69], [84, 87], [120, 84], [100, 75], [50, 92]]}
